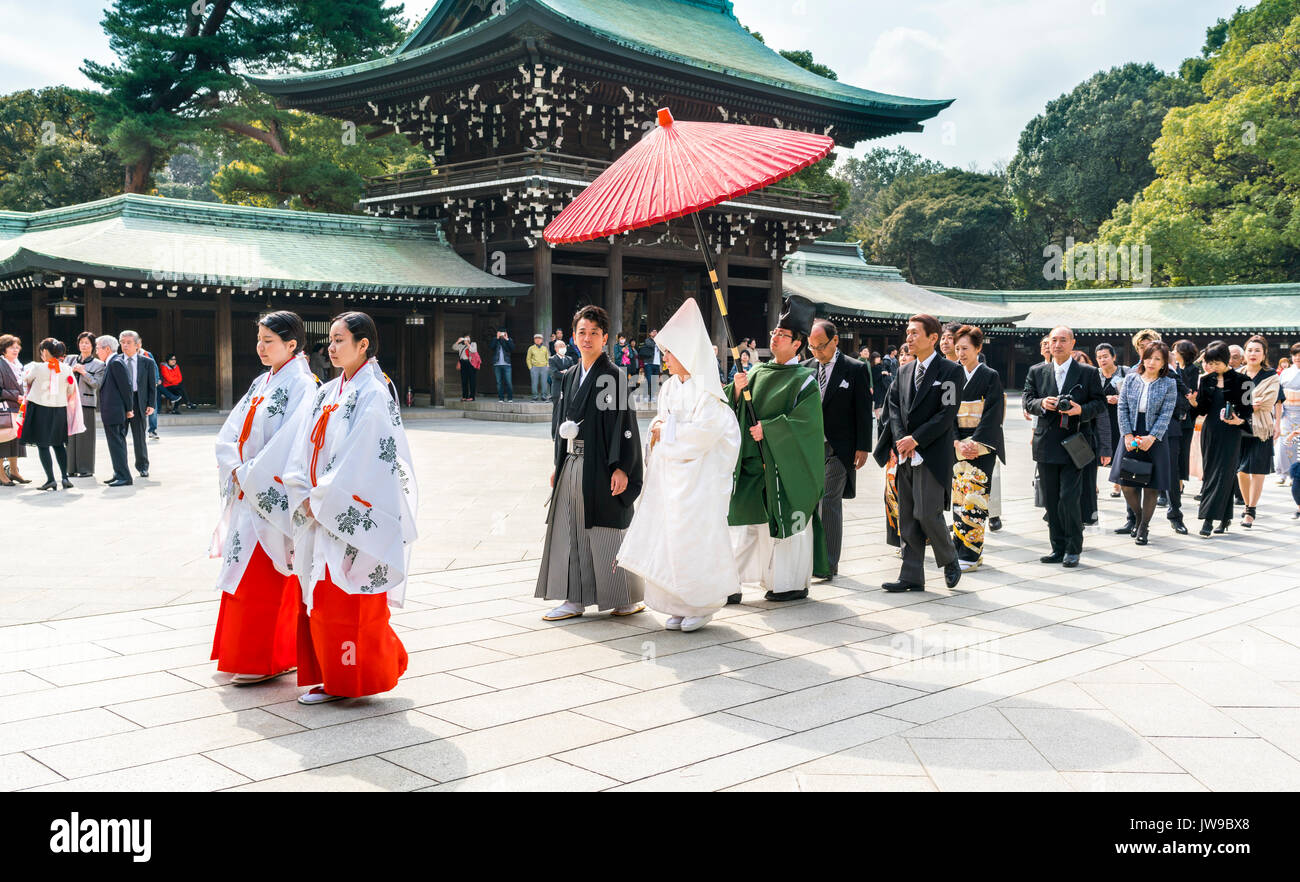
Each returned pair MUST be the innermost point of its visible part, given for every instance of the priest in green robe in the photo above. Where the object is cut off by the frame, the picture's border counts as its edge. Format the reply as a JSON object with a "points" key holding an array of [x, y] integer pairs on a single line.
{"points": [[781, 473]]}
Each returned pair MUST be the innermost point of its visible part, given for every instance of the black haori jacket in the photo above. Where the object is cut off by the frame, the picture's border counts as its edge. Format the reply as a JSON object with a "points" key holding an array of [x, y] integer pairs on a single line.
{"points": [[608, 429]]}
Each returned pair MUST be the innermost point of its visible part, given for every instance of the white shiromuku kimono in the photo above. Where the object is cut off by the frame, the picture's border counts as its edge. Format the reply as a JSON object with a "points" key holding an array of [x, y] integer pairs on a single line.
{"points": [[353, 464], [252, 446], [678, 540]]}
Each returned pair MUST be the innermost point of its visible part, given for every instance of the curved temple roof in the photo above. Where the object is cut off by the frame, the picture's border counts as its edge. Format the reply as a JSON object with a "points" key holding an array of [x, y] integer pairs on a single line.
{"points": [[1206, 309], [699, 34], [836, 277], [148, 239]]}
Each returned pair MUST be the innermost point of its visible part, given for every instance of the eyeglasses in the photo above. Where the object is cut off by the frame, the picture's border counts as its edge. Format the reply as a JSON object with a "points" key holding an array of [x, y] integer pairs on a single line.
{"points": [[816, 348], [777, 335]]}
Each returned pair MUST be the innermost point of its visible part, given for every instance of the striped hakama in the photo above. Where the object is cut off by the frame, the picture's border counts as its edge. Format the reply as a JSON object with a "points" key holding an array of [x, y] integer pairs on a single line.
{"points": [[586, 573]]}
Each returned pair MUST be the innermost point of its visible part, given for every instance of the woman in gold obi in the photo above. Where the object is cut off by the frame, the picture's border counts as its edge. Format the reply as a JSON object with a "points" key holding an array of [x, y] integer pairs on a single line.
{"points": [[979, 443]]}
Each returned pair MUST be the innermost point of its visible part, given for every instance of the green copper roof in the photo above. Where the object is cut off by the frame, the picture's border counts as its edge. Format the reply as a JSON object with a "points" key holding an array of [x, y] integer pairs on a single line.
{"points": [[1192, 309], [148, 239], [695, 33], [836, 277]]}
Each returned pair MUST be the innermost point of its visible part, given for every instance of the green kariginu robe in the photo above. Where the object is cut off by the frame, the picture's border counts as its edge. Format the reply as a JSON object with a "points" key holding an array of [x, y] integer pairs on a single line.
{"points": [[781, 481]]}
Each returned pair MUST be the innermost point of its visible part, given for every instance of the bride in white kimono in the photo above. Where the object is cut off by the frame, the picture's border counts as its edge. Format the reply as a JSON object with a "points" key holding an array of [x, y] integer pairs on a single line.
{"points": [[353, 499], [679, 541], [258, 623]]}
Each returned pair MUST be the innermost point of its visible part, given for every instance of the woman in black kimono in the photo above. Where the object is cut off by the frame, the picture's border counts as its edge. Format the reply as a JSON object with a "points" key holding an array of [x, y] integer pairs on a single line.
{"points": [[1221, 438], [1112, 377], [979, 445]]}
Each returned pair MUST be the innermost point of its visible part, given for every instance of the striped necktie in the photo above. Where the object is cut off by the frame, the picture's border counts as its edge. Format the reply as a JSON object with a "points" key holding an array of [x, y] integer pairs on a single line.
{"points": [[823, 376], [920, 375]]}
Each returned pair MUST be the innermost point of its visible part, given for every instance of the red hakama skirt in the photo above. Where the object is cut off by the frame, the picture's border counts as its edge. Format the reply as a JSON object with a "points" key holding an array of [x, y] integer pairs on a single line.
{"points": [[347, 645], [258, 624]]}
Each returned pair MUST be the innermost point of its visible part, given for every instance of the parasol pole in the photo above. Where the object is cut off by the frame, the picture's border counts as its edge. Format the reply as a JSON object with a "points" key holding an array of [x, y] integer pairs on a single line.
{"points": [[722, 305], [731, 344]]}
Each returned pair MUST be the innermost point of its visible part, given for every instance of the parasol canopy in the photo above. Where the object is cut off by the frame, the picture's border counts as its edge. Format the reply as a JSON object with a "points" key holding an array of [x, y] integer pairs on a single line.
{"points": [[682, 167]]}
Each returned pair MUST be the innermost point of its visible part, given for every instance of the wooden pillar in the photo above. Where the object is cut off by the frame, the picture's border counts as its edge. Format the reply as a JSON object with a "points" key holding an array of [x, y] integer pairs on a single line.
{"points": [[614, 293], [437, 354], [1010, 380], [775, 294], [40, 321], [93, 320], [403, 369], [225, 357], [543, 293], [717, 324]]}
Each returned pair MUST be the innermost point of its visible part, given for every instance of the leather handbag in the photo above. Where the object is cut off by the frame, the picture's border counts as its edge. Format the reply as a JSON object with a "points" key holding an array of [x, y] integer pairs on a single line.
{"points": [[1135, 470], [1079, 449]]}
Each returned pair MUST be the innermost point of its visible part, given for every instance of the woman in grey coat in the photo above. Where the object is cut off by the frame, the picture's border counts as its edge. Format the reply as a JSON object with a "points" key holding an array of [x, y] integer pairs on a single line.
{"points": [[90, 373]]}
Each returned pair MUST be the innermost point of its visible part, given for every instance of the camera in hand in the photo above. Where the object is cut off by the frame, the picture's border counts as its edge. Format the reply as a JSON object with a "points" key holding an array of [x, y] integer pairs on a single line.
{"points": [[1064, 403]]}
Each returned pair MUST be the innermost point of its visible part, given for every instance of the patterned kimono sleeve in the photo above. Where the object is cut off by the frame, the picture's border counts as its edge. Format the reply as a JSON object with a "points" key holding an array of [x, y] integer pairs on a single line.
{"points": [[262, 476], [367, 499]]}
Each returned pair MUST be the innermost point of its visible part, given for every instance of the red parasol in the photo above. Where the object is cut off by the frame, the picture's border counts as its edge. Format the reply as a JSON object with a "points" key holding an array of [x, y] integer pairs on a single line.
{"points": [[682, 167], [679, 168]]}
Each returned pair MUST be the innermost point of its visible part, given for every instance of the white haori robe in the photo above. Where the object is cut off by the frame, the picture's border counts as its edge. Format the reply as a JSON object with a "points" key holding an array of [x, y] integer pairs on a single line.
{"points": [[254, 446], [353, 464], [678, 540]]}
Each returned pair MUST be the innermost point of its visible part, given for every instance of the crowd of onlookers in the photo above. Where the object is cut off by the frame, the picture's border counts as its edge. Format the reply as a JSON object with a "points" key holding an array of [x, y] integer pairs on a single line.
{"points": [[54, 403]]}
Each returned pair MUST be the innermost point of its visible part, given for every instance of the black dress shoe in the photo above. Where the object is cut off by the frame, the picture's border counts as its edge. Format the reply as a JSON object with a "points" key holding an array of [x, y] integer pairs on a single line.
{"points": [[896, 587], [1071, 560], [1092, 522], [952, 574], [827, 576], [1162, 501], [48, 485], [995, 524], [111, 480], [733, 599], [1052, 558], [1207, 528], [782, 596], [144, 473], [118, 482], [1129, 527], [1179, 527], [67, 485]]}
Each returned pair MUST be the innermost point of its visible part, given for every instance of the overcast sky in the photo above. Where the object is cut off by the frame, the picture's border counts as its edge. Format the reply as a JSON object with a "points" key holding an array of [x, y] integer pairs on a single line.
{"points": [[1001, 59]]}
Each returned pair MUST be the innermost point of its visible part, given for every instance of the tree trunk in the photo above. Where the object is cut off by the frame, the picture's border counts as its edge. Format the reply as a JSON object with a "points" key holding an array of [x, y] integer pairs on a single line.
{"points": [[137, 175]]}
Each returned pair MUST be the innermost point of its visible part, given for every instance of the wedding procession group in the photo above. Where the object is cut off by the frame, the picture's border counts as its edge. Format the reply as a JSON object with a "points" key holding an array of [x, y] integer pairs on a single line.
{"points": [[738, 485]]}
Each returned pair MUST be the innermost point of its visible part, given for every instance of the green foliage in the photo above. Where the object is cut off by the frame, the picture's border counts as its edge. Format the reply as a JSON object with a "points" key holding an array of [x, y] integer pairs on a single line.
{"points": [[946, 229], [868, 176], [1090, 148], [804, 58], [322, 168], [48, 156], [1222, 207], [178, 71]]}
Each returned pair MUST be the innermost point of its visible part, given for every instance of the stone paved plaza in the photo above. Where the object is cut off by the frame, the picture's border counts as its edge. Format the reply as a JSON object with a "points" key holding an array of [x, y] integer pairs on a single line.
{"points": [[1170, 667]]}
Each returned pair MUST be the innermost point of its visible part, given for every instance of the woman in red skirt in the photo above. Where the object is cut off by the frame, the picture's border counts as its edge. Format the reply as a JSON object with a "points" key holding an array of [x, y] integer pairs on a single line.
{"points": [[257, 627], [353, 497]]}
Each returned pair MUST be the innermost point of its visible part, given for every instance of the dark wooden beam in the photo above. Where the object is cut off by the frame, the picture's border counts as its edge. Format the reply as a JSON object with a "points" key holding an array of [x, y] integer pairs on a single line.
{"points": [[614, 292], [437, 354], [737, 282], [542, 289], [225, 357], [561, 269], [93, 320], [40, 321], [775, 292]]}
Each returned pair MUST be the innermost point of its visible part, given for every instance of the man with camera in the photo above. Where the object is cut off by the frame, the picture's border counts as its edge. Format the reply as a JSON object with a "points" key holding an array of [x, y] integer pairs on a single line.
{"points": [[502, 347], [1063, 394]]}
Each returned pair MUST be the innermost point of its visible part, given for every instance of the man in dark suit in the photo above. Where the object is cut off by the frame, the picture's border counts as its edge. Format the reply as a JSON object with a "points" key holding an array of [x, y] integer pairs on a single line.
{"points": [[1061, 480], [115, 402], [140, 371], [845, 388], [922, 412]]}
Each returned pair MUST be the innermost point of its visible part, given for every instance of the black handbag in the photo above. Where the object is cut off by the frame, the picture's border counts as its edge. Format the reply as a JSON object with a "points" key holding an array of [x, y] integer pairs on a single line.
{"points": [[1079, 449], [1134, 470]]}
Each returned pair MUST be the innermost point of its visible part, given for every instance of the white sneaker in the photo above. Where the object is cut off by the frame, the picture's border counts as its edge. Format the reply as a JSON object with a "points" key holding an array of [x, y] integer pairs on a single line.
{"points": [[695, 623], [568, 610], [674, 623]]}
